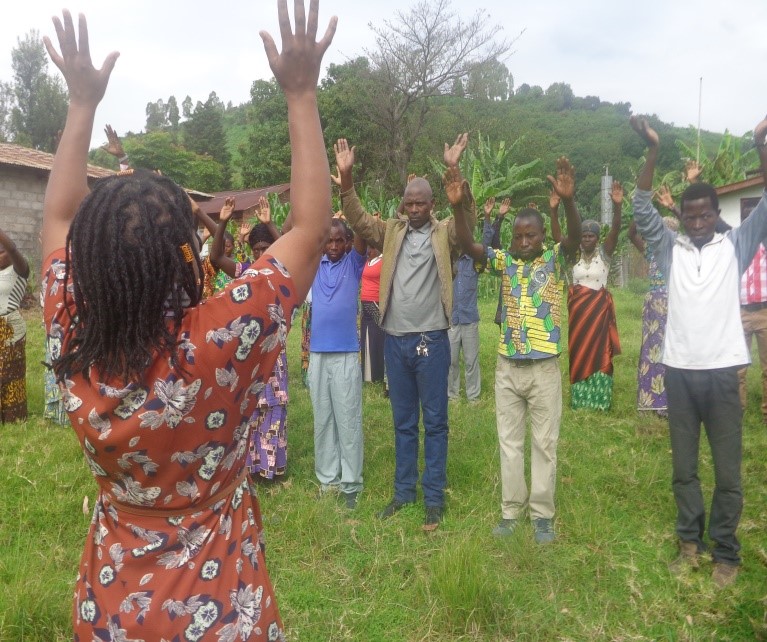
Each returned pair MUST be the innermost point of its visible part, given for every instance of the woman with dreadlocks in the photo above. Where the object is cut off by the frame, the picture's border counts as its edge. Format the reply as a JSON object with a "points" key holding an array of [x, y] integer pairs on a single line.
{"points": [[268, 449], [159, 388]]}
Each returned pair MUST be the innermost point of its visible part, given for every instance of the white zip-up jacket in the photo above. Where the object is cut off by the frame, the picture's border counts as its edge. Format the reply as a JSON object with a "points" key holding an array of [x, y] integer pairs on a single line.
{"points": [[703, 329]]}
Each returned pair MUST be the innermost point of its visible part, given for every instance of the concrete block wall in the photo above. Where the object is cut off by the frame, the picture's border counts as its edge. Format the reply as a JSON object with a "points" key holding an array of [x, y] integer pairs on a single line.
{"points": [[21, 211]]}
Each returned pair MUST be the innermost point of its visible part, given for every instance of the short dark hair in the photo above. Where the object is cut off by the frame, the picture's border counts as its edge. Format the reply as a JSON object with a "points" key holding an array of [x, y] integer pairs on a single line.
{"points": [[696, 191], [530, 212], [260, 234]]}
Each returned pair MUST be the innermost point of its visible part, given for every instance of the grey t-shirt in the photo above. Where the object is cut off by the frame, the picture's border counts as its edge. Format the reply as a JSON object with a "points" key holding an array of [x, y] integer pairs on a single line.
{"points": [[415, 304]]}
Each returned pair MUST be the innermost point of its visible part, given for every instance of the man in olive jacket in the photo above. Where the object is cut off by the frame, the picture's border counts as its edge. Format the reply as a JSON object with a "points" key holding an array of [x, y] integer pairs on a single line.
{"points": [[416, 299]]}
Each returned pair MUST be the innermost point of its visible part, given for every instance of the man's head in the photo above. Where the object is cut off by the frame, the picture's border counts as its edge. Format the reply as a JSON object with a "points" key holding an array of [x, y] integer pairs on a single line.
{"points": [[335, 246], [528, 234], [699, 206], [418, 202]]}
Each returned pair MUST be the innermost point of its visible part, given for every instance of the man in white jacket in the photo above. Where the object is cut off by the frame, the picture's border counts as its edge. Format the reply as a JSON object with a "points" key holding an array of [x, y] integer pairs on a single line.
{"points": [[703, 349]]}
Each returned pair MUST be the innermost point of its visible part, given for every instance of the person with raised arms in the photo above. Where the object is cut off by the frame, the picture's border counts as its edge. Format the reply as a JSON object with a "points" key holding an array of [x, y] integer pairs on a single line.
{"points": [[703, 349], [159, 387]]}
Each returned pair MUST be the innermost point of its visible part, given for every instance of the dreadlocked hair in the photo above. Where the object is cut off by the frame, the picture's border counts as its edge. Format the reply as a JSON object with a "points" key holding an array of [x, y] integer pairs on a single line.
{"points": [[131, 276]]}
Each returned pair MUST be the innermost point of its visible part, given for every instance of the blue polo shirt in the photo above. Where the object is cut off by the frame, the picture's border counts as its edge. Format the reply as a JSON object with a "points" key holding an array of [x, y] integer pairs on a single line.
{"points": [[335, 293]]}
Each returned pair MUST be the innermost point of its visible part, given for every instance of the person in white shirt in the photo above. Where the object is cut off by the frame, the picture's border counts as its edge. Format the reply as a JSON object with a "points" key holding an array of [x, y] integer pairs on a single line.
{"points": [[703, 350]]}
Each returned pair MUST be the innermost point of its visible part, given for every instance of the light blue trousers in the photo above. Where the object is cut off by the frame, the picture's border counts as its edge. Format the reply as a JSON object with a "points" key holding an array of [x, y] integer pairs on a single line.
{"points": [[335, 388]]}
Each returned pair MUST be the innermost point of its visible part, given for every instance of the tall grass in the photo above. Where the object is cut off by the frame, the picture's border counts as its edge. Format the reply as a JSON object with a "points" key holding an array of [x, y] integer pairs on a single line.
{"points": [[350, 576]]}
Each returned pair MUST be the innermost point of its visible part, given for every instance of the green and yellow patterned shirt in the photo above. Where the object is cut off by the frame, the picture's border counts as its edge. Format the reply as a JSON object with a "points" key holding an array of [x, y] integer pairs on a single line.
{"points": [[531, 303]]}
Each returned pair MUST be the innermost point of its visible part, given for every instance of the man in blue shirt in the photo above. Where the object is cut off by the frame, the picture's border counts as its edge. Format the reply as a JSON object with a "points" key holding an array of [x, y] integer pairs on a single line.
{"points": [[464, 331], [334, 376]]}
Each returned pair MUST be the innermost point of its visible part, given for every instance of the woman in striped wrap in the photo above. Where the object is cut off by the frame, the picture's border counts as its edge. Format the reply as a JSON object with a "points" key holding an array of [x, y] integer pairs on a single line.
{"points": [[593, 333]]}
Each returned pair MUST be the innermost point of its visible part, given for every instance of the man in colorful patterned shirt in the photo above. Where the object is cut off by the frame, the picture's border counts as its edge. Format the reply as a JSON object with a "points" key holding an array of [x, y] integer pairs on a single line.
{"points": [[527, 374]]}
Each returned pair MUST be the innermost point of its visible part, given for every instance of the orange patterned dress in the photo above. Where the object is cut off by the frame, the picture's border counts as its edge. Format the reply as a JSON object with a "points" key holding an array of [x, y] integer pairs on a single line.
{"points": [[174, 550]]}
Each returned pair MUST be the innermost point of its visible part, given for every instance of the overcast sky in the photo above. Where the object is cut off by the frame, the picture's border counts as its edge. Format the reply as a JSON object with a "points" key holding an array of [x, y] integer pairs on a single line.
{"points": [[651, 53]]}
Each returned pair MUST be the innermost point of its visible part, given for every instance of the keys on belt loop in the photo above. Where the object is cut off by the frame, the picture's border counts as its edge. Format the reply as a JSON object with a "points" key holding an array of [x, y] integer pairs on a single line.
{"points": [[422, 350]]}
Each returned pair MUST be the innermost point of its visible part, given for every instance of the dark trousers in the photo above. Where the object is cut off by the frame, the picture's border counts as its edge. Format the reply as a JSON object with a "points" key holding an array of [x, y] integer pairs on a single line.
{"points": [[709, 397], [419, 382]]}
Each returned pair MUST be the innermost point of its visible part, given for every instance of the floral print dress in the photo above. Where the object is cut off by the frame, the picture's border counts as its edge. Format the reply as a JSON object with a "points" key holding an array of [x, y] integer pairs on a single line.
{"points": [[174, 550]]}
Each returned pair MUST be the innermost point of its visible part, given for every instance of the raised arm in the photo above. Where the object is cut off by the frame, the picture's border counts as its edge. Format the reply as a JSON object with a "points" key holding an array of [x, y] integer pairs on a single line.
{"points": [[556, 230], [451, 156], [370, 228], [297, 69], [218, 257], [68, 181], [455, 188], [20, 265], [611, 240], [649, 223], [264, 215], [760, 140], [114, 147], [636, 238], [642, 127], [564, 186]]}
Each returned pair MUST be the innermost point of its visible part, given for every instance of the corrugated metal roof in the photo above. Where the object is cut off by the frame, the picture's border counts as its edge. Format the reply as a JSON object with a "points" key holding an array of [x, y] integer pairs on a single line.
{"points": [[19, 156], [734, 187], [243, 199]]}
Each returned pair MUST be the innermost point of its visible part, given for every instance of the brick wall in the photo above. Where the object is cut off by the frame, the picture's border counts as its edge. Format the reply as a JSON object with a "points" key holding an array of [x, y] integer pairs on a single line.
{"points": [[21, 211]]}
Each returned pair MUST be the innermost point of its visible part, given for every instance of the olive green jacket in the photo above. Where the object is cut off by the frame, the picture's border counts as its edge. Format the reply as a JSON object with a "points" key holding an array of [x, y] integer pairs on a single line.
{"points": [[387, 237]]}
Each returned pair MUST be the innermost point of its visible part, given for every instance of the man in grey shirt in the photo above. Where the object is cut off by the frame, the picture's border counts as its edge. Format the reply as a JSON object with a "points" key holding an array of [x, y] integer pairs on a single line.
{"points": [[416, 297]]}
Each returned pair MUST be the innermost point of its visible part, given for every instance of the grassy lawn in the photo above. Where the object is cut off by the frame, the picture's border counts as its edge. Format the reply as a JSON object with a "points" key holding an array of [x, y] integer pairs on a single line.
{"points": [[342, 576]]}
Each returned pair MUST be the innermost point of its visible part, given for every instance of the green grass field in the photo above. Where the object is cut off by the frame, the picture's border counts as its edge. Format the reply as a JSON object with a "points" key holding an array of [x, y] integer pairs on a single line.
{"points": [[350, 576]]}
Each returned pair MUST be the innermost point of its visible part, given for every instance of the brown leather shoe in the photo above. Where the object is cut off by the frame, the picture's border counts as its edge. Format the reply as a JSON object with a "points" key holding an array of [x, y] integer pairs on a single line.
{"points": [[724, 574], [689, 557]]}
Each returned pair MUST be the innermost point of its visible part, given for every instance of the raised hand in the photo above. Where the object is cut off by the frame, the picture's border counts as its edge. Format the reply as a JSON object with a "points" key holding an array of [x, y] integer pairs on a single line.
{"points": [[113, 145], [692, 171], [760, 132], [86, 84], [411, 177], [453, 152], [664, 197], [640, 125], [564, 183], [553, 200], [453, 185], [488, 206], [264, 212], [617, 193], [297, 66], [344, 156], [227, 209], [503, 210]]}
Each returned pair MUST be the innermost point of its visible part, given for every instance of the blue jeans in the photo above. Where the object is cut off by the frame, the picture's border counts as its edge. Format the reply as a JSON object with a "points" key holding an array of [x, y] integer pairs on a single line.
{"points": [[415, 379]]}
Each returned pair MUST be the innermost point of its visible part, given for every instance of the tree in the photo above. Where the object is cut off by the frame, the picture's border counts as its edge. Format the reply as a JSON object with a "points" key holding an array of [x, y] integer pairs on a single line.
{"points": [[158, 150], [186, 107], [419, 55], [173, 114], [38, 102], [204, 130], [491, 81], [156, 115], [264, 158], [559, 96]]}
